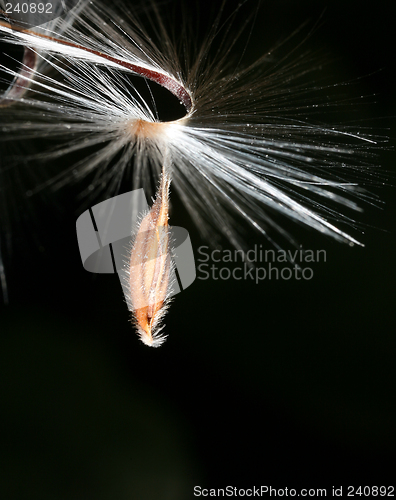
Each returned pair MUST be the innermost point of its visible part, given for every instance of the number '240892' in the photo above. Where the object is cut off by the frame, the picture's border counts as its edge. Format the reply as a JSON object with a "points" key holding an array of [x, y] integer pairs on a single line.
{"points": [[371, 491], [24, 8]]}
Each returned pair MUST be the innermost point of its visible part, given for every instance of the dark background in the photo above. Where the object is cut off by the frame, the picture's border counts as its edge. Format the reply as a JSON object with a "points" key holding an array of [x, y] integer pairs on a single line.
{"points": [[285, 383]]}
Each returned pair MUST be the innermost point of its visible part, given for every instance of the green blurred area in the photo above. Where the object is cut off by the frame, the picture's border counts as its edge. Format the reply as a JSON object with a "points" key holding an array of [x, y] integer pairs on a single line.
{"points": [[75, 426]]}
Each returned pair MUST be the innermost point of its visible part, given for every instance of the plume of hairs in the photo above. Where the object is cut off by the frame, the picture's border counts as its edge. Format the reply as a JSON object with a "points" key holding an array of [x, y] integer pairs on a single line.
{"points": [[237, 149]]}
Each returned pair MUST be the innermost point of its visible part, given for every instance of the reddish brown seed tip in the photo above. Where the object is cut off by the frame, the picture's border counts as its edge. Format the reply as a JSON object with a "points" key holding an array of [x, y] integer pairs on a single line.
{"points": [[150, 269]]}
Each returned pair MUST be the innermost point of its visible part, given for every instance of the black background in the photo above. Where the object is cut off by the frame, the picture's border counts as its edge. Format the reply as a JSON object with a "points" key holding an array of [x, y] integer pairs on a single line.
{"points": [[284, 383]]}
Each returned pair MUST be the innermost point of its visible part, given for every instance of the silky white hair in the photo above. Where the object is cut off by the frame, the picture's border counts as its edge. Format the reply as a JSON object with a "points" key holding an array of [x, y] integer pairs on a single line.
{"points": [[238, 149]]}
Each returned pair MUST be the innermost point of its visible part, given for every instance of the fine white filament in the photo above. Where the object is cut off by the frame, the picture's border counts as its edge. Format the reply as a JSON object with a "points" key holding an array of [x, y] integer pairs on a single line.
{"points": [[232, 152]]}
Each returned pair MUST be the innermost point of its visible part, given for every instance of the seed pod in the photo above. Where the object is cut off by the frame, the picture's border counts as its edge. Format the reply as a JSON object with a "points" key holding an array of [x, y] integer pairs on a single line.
{"points": [[150, 269]]}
